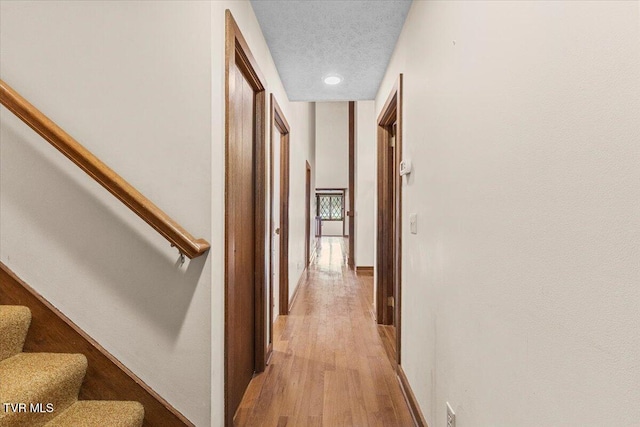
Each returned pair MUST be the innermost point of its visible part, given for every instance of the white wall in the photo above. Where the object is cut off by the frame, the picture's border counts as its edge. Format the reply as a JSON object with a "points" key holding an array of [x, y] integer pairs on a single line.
{"points": [[332, 144], [520, 290], [301, 118], [131, 81], [302, 149], [333, 228], [366, 147], [332, 155]]}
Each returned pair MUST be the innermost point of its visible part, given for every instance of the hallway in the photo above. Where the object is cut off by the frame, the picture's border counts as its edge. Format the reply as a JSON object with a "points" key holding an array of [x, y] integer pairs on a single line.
{"points": [[329, 366]]}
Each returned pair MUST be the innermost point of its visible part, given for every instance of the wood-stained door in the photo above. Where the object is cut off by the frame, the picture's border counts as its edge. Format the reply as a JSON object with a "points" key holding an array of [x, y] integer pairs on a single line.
{"points": [[241, 239], [274, 284], [284, 215], [245, 228]]}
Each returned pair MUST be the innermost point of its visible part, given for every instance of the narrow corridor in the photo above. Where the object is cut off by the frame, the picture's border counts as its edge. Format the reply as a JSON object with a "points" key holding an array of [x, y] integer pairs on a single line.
{"points": [[329, 366]]}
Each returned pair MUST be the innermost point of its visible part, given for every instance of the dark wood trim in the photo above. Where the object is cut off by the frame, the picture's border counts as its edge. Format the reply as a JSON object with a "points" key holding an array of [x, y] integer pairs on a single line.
{"points": [[381, 217], [344, 231], [269, 352], [362, 270], [412, 402], [238, 54], [271, 318], [333, 193], [296, 291], [106, 378], [389, 214], [398, 207], [314, 252], [279, 118], [279, 121], [352, 185], [260, 232], [271, 231], [388, 113], [102, 174], [307, 215]]}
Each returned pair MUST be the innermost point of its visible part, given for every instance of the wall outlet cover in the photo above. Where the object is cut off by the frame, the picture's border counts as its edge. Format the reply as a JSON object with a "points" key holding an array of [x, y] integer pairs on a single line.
{"points": [[451, 416]]}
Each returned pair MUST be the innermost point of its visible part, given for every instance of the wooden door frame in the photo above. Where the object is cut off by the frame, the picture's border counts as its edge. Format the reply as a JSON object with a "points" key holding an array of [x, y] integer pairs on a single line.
{"points": [[238, 54], [389, 240], [307, 227], [352, 185], [279, 121]]}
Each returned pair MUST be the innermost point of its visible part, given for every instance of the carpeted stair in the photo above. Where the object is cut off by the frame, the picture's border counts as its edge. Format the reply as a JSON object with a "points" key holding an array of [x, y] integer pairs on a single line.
{"points": [[46, 381]]}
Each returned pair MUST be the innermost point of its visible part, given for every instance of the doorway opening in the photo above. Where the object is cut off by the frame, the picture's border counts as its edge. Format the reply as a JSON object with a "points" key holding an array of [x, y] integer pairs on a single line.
{"points": [[389, 219]]}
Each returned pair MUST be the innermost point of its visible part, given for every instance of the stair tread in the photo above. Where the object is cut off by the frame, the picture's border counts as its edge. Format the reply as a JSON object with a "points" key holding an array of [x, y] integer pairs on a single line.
{"points": [[40, 378], [100, 413], [14, 325], [24, 373]]}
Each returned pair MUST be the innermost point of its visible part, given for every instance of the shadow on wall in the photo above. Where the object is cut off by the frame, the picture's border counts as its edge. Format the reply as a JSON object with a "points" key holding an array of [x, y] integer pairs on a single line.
{"points": [[98, 241]]}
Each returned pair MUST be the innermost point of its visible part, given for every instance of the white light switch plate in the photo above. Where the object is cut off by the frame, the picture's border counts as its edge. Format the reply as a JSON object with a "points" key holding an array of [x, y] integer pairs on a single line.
{"points": [[413, 223]]}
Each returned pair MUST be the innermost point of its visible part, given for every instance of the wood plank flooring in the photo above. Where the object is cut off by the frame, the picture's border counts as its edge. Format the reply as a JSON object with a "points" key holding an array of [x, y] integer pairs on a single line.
{"points": [[329, 366]]}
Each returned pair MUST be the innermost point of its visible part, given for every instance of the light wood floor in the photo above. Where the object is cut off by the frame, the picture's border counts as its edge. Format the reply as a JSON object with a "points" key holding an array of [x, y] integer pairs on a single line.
{"points": [[329, 366]]}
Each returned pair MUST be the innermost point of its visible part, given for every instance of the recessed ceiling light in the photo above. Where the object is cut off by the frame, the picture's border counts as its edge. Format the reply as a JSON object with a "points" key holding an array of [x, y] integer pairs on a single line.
{"points": [[332, 79]]}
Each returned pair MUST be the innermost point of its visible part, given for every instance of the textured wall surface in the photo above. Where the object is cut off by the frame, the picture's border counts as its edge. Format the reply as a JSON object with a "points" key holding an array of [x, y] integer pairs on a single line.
{"points": [[131, 81], [332, 155], [332, 144], [366, 146], [520, 290], [311, 39]]}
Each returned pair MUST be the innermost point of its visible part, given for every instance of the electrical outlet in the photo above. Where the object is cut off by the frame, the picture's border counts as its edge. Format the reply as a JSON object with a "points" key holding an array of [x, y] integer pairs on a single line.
{"points": [[451, 416]]}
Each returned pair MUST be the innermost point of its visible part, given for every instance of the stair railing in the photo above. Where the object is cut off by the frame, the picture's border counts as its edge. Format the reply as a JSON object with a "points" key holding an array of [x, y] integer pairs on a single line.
{"points": [[105, 176]]}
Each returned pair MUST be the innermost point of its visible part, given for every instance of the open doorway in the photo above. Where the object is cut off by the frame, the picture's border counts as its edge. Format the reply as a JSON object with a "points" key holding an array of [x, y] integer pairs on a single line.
{"points": [[389, 221]]}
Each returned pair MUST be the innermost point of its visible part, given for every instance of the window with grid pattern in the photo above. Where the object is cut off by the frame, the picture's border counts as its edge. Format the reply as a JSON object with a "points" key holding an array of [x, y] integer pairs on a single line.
{"points": [[330, 206]]}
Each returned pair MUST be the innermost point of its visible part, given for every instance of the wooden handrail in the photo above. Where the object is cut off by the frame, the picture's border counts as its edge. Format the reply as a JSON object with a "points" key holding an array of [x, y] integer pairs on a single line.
{"points": [[104, 175]]}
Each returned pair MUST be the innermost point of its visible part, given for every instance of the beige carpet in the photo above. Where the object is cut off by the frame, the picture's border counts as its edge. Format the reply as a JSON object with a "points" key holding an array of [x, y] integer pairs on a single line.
{"points": [[41, 389]]}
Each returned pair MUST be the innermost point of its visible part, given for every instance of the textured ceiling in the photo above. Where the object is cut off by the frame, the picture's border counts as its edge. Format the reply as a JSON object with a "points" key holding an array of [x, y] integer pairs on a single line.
{"points": [[312, 39]]}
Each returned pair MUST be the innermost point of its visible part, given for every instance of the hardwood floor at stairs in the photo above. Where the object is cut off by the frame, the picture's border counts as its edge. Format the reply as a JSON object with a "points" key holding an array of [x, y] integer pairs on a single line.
{"points": [[329, 366]]}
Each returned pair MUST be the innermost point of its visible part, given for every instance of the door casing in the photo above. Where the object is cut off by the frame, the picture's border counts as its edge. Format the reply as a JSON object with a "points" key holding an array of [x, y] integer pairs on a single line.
{"points": [[389, 214], [352, 186], [307, 215], [279, 121]]}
